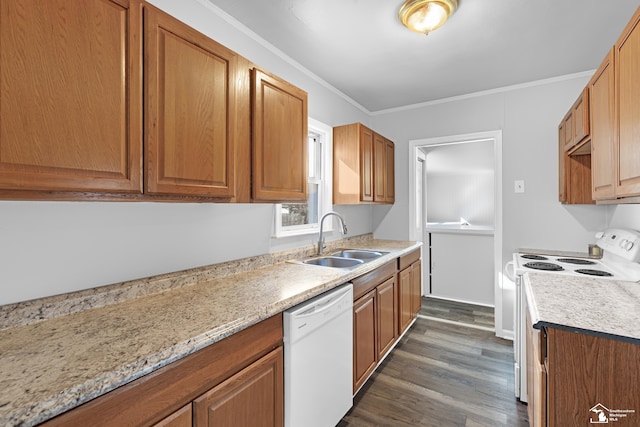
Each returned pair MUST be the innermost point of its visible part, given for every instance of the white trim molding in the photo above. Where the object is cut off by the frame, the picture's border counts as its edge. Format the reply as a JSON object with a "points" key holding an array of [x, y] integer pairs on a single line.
{"points": [[496, 136]]}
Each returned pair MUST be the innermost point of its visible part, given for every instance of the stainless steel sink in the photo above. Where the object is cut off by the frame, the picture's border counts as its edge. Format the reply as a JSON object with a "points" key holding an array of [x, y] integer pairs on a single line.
{"points": [[333, 261], [362, 254]]}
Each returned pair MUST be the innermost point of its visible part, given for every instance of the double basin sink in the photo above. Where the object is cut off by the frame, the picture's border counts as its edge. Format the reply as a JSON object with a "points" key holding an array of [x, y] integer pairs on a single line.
{"points": [[343, 258]]}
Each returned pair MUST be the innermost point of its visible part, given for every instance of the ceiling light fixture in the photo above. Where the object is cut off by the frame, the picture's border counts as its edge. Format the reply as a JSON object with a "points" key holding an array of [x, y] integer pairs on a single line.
{"points": [[424, 16]]}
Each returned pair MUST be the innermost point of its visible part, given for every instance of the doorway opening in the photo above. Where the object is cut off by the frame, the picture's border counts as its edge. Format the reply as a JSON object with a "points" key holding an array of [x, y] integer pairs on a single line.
{"points": [[460, 176]]}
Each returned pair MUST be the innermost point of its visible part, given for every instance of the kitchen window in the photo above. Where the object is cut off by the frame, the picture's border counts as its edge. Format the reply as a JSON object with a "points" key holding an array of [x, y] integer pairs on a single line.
{"points": [[303, 218]]}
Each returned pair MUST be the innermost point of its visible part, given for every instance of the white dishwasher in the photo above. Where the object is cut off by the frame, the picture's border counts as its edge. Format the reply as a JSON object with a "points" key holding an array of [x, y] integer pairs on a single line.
{"points": [[318, 360]]}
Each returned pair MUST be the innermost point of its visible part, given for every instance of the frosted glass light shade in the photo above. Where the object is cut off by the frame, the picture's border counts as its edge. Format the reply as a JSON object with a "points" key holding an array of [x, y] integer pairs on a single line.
{"points": [[424, 16]]}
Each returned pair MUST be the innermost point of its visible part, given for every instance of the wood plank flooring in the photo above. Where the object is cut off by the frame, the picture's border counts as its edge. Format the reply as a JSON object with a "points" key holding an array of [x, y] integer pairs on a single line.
{"points": [[443, 374], [475, 315]]}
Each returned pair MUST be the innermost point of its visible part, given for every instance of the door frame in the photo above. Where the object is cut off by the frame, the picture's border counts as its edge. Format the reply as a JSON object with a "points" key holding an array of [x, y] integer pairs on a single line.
{"points": [[496, 136]]}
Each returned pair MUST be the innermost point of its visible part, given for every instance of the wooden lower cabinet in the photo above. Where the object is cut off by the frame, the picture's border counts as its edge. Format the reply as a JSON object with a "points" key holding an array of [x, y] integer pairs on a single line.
{"points": [[409, 289], [250, 398], [405, 307], [387, 318], [587, 374], [382, 299], [235, 382], [365, 354], [183, 417]]}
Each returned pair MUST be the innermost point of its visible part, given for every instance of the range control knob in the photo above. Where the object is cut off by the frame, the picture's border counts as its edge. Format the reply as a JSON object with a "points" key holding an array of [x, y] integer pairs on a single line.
{"points": [[599, 235], [628, 246]]}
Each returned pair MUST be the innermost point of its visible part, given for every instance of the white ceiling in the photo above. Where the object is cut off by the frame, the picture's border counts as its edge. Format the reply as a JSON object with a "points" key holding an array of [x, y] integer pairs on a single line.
{"points": [[361, 48]]}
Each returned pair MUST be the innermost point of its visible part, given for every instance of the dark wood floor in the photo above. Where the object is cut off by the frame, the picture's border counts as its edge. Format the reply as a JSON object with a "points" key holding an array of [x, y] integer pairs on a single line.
{"points": [[443, 374], [475, 315]]}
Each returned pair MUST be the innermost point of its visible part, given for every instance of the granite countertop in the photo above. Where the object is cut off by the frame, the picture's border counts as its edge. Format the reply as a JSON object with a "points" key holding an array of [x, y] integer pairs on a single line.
{"points": [[608, 308], [50, 366]]}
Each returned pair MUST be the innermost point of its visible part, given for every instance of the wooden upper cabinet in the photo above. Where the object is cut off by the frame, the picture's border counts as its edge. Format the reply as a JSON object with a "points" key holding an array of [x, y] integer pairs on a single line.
{"points": [[576, 124], [279, 139], [383, 156], [602, 130], [568, 130], [581, 123], [627, 94], [190, 109], [562, 182], [71, 95], [363, 166], [346, 164], [390, 181], [367, 171], [380, 168]]}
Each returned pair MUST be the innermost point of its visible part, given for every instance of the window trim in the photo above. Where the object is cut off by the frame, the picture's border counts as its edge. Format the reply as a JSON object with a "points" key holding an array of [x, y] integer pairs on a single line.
{"points": [[325, 189]]}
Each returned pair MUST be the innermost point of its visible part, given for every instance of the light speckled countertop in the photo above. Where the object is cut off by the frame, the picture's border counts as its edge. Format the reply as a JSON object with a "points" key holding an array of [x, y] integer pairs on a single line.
{"points": [[50, 366], [608, 308]]}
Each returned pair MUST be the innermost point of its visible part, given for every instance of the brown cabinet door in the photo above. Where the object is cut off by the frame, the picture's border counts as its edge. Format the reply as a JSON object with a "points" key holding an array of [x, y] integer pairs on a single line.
{"points": [[71, 95], [365, 350], [627, 93], [380, 168], [251, 398], [581, 117], [346, 164], [405, 305], [387, 316], [190, 105], [562, 186], [602, 130], [568, 130], [366, 164], [390, 183], [584, 371], [416, 287], [181, 418], [279, 139]]}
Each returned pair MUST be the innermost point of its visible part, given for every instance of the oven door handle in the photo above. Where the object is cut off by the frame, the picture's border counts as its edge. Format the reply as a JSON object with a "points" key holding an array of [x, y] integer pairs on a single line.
{"points": [[510, 270]]}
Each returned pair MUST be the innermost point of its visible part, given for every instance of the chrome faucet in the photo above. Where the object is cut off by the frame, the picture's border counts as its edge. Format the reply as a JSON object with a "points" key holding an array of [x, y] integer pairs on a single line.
{"points": [[343, 231]]}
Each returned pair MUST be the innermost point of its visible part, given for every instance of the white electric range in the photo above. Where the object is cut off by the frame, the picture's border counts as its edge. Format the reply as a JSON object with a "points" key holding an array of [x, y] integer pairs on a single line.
{"points": [[620, 261]]}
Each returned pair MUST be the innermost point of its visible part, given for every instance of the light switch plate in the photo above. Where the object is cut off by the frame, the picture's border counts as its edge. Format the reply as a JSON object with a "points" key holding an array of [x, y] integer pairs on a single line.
{"points": [[519, 186]]}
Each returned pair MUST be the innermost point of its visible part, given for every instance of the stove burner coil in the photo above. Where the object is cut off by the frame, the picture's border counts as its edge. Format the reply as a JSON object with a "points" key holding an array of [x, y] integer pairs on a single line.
{"points": [[590, 272], [547, 266], [578, 261], [535, 257]]}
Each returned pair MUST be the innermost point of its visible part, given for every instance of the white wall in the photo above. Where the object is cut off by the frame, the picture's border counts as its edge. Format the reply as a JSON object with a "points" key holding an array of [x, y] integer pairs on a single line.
{"points": [[625, 216], [528, 117], [48, 248]]}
